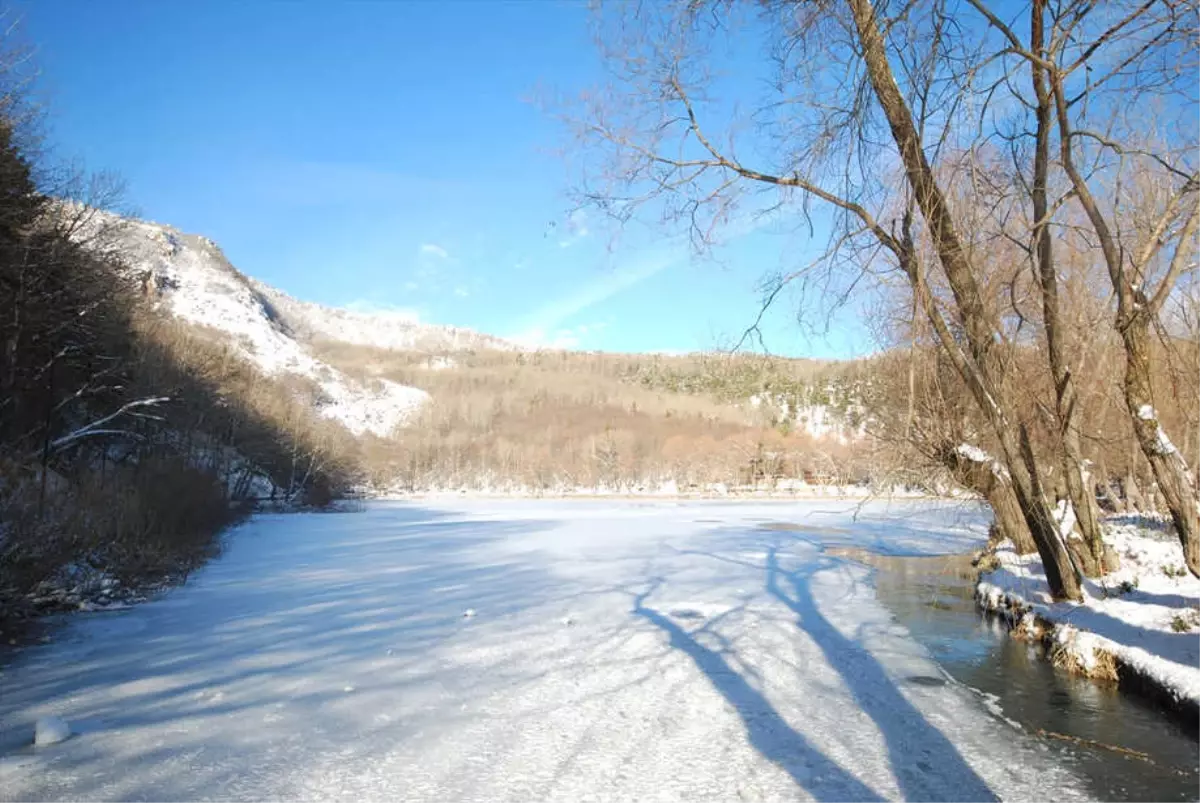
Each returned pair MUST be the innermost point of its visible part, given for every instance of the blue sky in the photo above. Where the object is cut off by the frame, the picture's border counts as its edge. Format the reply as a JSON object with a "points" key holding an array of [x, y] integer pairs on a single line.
{"points": [[387, 155]]}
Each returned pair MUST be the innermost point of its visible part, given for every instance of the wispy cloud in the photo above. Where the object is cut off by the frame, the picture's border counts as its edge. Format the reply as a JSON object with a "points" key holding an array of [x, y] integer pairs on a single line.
{"points": [[551, 317], [576, 229], [569, 338], [434, 250]]}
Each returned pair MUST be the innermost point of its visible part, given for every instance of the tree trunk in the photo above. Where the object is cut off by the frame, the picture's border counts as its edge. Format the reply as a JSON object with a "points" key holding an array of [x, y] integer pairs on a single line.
{"points": [[1133, 494], [1135, 312], [1114, 500], [1083, 499], [987, 478], [1170, 469], [1010, 522], [1065, 402], [977, 325]]}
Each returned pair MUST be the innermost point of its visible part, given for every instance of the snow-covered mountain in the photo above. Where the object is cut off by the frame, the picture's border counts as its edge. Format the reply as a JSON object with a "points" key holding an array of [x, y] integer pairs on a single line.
{"points": [[386, 330], [189, 276]]}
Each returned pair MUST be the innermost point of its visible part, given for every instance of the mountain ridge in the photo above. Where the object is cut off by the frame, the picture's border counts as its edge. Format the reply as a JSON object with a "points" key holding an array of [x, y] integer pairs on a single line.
{"points": [[189, 276]]}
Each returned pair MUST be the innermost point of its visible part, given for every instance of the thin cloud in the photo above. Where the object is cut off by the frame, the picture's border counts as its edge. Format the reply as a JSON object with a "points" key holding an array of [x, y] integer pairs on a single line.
{"points": [[546, 324], [552, 316], [435, 250], [577, 229], [570, 338]]}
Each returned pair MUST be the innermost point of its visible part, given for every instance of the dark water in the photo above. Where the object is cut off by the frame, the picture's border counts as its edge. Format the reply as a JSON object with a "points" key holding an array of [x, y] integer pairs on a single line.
{"points": [[933, 599]]}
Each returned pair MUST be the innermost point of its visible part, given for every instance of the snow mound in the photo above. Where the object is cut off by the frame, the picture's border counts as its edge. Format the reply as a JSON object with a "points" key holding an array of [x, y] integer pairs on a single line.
{"points": [[50, 730], [190, 277]]}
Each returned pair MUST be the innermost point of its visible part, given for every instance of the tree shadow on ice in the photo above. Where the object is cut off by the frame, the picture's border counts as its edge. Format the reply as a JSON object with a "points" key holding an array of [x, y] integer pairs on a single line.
{"points": [[287, 620], [927, 766], [768, 732]]}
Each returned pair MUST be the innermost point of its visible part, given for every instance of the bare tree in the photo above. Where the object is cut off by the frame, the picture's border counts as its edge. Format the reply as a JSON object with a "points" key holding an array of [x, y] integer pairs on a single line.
{"points": [[1097, 69], [842, 129]]}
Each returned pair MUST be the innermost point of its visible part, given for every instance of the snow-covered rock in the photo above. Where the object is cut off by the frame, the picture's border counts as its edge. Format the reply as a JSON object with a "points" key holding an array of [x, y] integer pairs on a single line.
{"points": [[50, 730], [189, 276]]}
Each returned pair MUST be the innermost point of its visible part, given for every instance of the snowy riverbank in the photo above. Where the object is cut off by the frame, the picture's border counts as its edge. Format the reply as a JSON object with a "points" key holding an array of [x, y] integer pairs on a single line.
{"points": [[784, 489], [1140, 624]]}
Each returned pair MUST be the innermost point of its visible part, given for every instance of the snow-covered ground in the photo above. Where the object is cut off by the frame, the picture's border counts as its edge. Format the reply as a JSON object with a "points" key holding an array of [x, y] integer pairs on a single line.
{"points": [[1146, 615], [524, 650], [666, 489]]}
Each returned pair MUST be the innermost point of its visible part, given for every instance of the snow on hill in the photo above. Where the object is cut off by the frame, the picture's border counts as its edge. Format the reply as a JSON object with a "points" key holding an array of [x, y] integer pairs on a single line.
{"points": [[821, 421], [386, 330], [189, 276]]}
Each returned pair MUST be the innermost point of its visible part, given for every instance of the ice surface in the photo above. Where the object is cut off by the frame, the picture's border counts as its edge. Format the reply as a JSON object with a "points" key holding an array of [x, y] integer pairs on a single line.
{"points": [[716, 652]]}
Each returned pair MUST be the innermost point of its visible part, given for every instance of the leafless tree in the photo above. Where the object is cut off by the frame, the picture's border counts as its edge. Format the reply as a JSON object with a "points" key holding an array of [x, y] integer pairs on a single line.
{"points": [[869, 116], [1103, 73]]}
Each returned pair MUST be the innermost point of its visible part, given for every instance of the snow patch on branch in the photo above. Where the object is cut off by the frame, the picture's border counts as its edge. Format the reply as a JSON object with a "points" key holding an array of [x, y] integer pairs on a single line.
{"points": [[1162, 444], [974, 454], [1064, 516], [97, 427]]}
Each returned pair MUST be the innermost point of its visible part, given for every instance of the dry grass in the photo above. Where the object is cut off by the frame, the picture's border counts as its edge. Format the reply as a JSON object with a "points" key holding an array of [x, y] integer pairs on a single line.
{"points": [[1103, 666]]}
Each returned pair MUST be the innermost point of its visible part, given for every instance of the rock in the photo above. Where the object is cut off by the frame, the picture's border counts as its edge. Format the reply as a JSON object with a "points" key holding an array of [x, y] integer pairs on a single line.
{"points": [[50, 730]]}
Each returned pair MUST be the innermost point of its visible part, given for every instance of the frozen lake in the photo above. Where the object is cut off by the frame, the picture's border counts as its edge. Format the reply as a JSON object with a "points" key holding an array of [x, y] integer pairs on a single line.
{"points": [[525, 650]]}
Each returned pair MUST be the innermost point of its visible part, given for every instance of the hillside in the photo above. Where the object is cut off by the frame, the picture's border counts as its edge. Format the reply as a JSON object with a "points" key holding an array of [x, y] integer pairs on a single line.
{"points": [[556, 420], [445, 407], [190, 277]]}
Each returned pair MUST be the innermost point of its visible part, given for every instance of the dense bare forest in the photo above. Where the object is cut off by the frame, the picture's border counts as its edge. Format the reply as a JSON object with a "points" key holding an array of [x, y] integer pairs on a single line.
{"points": [[558, 420]]}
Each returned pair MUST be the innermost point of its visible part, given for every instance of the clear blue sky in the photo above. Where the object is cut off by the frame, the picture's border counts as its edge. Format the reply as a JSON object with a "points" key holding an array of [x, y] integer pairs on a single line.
{"points": [[386, 154]]}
